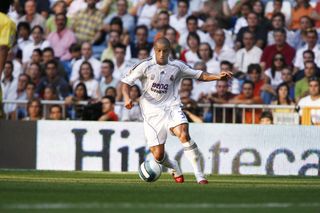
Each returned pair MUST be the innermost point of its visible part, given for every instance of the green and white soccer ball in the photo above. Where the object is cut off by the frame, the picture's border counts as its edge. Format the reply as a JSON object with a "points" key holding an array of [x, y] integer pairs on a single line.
{"points": [[149, 171]]}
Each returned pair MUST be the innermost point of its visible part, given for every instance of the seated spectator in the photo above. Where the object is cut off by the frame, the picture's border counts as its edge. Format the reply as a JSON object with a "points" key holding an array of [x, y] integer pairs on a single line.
{"points": [[280, 46], [302, 8], [312, 100], [178, 20], [31, 15], [86, 76], [266, 118], [58, 7], [80, 94], [245, 9], [302, 86], [299, 39], [48, 55], [62, 36], [249, 54], [31, 91], [144, 11], [107, 80], [140, 41], [283, 98], [287, 77], [55, 112], [221, 50], [190, 107], [205, 53], [23, 32], [190, 55], [258, 8], [52, 78], [277, 7], [159, 25], [247, 97], [34, 110], [108, 113], [200, 89], [133, 114], [34, 72], [172, 35], [255, 76]]}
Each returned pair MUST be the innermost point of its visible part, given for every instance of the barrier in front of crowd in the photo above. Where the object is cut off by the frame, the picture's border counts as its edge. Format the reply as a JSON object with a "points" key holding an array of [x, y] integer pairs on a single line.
{"points": [[221, 113]]}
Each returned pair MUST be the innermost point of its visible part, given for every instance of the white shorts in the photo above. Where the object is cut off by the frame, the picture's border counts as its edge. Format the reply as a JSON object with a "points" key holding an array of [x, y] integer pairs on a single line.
{"points": [[158, 124]]}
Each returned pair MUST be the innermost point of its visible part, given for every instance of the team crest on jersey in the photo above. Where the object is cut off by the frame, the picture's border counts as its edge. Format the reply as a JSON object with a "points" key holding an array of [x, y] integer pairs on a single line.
{"points": [[171, 78]]}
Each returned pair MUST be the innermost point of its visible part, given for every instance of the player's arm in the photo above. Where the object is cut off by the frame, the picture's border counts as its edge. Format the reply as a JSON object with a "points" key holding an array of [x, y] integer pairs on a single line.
{"points": [[126, 96], [223, 75]]}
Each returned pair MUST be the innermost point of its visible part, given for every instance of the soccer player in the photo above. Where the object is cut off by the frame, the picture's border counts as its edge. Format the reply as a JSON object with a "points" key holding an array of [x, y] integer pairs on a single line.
{"points": [[160, 105], [7, 37]]}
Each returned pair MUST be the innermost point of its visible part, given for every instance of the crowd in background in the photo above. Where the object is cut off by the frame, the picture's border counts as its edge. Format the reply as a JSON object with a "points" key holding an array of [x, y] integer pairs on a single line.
{"points": [[78, 50]]}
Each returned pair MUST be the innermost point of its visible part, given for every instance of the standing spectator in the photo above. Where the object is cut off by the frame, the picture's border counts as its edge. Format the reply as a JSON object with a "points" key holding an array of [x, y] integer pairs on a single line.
{"points": [[135, 113], [140, 41], [86, 53], [53, 79], [312, 100], [86, 76], [302, 8], [107, 80], [190, 55], [178, 21], [302, 86], [87, 24], [55, 113], [258, 8], [31, 16], [311, 44], [34, 110], [122, 12], [280, 46], [63, 36], [205, 53], [8, 86], [254, 27], [37, 35], [247, 97], [108, 113], [282, 97], [221, 51], [249, 54]]}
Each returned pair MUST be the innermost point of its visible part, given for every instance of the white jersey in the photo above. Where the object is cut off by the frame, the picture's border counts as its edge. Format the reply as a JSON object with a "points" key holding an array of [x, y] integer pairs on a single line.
{"points": [[160, 83]]}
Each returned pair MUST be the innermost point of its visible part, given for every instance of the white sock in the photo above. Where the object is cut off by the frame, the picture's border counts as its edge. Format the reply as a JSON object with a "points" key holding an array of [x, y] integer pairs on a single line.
{"points": [[192, 153], [173, 165]]}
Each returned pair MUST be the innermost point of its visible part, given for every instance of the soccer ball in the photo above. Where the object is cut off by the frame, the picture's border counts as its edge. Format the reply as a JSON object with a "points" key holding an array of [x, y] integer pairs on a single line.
{"points": [[149, 171]]}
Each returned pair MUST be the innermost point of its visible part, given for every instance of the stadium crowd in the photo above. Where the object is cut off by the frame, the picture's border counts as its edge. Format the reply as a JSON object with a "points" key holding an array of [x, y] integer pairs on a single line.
{"points": [[78, 50]]}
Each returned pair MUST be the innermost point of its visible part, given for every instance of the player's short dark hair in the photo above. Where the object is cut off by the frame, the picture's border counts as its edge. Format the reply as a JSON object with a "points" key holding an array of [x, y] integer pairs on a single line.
{"points": [[248, 82], [164, 41], [5, 5], [266, 114], [254, 67], [192, 17], [111, 64], [111, 98]]}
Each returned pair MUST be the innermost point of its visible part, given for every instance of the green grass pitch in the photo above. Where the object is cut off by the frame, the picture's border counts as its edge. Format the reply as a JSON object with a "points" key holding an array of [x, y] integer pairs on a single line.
{"points": [[48, 191]]}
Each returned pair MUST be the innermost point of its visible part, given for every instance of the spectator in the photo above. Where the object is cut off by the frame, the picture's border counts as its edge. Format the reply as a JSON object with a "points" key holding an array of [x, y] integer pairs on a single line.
{"points": [[192, 27], [36, 57], [140, 41], [107, 80], [92, 17], [63, 36], [34, 110], [134, 114], [254, 27], [86, 53], [31, 91], [247, 97], [50, 93], [8, 87], [205, 53], [246, 8], [280, 46], [273, 74], [48, 55], [312, 100], [190, 107], [86, 76], [58, 7], [178, 21], [161, 22], [52, 78], [172, 35], [108, 113], [144, 11], [23, 32], [37, 35], [55, 113], [111, 91], [277, 7], [300, 36], [302, 86], [311, 44], [121, 66], [287, 77], [34, 72], [113, 40], [221, 51], [266, 118], [219, 10], [200, 89], [255, 76], [31, 16], [75, 7], [122, 12], [190, 55], [302, 8], [249, 54], [258, 8], [282, 97], [308, 55]]}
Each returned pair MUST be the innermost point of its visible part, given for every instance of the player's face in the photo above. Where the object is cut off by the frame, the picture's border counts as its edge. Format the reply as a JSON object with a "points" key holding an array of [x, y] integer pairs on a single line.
{"points": [[162, 52]]}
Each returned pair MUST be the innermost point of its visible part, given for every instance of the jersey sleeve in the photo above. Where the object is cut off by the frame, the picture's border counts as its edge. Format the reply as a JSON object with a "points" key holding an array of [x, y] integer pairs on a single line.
{"points": [[7, 34], [135, 73], [188, 72]]}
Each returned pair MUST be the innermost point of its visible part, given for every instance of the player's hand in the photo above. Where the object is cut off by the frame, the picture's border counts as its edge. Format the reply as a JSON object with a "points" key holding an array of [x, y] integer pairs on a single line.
{"points": [[225, 75], [128, 104]]}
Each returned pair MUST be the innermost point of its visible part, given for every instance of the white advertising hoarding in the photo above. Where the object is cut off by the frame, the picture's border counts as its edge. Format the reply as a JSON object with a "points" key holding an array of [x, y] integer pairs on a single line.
{"points": [[225, 148]]}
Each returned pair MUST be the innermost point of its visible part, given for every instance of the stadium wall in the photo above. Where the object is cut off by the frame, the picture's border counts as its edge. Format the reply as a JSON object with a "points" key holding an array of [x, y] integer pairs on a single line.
{"points": [[225, 149]]}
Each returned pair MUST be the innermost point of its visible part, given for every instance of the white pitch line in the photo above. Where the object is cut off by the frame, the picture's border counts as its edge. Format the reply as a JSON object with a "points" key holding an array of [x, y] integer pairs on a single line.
{"points": [[156, 205]]}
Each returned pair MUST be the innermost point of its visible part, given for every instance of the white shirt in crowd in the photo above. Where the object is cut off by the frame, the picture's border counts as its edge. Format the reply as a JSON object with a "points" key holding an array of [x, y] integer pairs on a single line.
{"points": [[28, 49], [276, 80], [179, 23], [96, 65], [145, 14], [308, 102], [244, 58], [298, 61], [241, 22], [92, 86], [226, 54], [228, 39], [201, 88], [184, 36]]}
